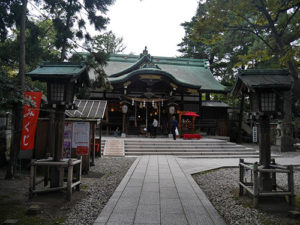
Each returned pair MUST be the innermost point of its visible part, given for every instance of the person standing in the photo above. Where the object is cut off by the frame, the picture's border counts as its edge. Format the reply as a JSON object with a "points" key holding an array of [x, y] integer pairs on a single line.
{"points": [[174, 126], [154, 127]]}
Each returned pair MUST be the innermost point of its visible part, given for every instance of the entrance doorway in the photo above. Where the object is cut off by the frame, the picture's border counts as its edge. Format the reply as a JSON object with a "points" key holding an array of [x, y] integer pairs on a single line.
{"points": [[141, 116]]}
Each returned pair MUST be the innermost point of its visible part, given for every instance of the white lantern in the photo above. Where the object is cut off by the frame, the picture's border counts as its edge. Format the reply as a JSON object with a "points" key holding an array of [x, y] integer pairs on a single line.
{"points": [[124, 108], [172, 109]]}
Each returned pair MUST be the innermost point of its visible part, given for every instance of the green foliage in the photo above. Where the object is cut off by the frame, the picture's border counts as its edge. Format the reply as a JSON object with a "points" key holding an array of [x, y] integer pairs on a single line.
{"points": [[234, 34], [70, 25], [9, 92], [108, 42]]}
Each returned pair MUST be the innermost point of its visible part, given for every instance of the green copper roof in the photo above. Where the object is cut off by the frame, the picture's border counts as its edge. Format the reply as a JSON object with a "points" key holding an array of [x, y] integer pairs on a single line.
{"points": [[262, 79], [64, 70], [192, 73]]}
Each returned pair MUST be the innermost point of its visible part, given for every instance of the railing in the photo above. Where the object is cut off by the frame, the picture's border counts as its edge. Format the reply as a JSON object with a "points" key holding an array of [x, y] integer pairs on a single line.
{"points": [[47, 163], [250, 175]]}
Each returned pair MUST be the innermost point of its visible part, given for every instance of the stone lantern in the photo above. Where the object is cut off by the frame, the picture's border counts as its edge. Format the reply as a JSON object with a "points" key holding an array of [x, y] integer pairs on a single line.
{"points": [[62, 80], [265, 89], [125, 105]]}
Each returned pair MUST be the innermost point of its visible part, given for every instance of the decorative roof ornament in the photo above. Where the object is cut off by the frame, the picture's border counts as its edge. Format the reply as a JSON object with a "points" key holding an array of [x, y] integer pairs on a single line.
{"points": [[145, 52]]}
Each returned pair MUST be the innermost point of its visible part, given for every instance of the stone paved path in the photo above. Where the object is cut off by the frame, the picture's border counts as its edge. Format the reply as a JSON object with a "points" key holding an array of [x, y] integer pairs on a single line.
{"points": [[157, 191], [161, 190]]}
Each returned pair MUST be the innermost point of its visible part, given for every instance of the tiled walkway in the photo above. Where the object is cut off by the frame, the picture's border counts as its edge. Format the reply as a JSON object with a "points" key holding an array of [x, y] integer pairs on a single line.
{"points": [[156, 191], [160, 190]]}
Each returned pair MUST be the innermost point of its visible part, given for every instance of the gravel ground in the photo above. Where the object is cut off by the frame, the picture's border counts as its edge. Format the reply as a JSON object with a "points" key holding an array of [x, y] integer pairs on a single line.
{"points": [[221, 187], [99, 184]]}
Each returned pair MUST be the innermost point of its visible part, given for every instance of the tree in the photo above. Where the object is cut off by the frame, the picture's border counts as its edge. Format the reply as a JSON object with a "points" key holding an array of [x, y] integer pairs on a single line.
{"points": [[108, 42], [274, 23], [64, 14], [70, 24]]}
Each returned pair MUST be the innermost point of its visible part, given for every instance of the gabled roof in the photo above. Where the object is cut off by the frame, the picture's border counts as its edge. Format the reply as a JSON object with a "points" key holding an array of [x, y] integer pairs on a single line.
{"points": [[192, 73], [63, 70], [87, 109], [262, 79]]}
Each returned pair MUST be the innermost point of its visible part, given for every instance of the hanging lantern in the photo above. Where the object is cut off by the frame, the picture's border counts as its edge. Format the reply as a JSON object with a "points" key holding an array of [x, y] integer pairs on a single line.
{"points": [[141, 105], [132, 102], [144, 103], [172, 109], [124, 108], [152, 103], [162, 102], [155, 106]]}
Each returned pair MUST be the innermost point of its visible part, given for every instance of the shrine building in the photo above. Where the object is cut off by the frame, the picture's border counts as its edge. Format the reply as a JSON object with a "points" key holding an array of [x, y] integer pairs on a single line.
{"points": [[145, 87]]}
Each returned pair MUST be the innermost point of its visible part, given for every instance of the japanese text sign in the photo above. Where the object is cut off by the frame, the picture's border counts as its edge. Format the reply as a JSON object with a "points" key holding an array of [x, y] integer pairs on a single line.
{"points": [[30, 117]]}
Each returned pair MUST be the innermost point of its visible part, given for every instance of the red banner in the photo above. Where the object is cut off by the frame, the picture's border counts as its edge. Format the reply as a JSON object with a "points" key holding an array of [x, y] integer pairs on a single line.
{"points": [[30, 117]]}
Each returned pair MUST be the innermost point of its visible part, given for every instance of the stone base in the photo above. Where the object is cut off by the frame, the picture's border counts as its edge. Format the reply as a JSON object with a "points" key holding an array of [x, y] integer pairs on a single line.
{"points": [[123, 135]]}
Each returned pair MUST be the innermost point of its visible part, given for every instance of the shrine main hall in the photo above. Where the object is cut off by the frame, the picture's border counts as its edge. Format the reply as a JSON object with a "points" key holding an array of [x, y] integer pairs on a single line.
{"points": [[145, 87]]}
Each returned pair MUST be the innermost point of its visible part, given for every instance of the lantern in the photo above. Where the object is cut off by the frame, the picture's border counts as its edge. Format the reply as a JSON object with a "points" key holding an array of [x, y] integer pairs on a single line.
{"points": [[124, 108], [61, 78], [172, 109]]}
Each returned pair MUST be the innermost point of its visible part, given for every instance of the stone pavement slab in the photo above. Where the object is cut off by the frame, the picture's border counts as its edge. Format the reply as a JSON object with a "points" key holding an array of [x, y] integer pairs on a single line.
{"points": [[156, 190]]}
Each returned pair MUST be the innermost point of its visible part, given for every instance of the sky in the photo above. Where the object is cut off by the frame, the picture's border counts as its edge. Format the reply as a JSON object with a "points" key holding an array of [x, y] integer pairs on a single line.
{"points": [[151, 23]]}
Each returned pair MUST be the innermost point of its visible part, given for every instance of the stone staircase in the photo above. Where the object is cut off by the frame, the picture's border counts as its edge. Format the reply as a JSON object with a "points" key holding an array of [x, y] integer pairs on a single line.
{"points": [[204, 148], [114, 147]]}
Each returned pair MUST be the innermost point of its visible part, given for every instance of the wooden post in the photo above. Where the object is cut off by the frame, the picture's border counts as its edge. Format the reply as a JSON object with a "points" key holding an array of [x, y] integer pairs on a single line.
{"points": [[135, 111], [193, 124], [51, 133], [255, 185], [179, 121], [32, 178], [79, 173], [291, 185], [274, 185], [207, 96], [93, 143], [123, 123], [239, 137], [107, 119], [200, 103], [159, 108], [58, 146], [70, 179], [61, 176], [264, 151], [241, 177], [100, 134]]}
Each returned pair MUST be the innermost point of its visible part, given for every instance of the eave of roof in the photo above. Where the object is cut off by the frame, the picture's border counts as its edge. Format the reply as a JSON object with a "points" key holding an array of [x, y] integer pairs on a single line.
{"points": [[262, 79], [64, 70], [186, 72]]}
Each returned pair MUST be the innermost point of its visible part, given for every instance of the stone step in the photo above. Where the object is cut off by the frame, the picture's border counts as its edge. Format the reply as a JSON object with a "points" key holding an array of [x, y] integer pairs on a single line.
{"points": [[235, 155], [183, 146], [114, 147], [190, 150]]}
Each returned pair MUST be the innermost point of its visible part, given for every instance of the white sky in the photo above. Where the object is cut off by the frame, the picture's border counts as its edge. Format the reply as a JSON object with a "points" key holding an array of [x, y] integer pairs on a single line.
{"points": [[151, 23]]}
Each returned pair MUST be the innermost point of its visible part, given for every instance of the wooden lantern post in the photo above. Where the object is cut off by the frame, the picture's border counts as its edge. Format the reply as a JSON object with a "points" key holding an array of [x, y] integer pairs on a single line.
{"points": [[61, 81]]}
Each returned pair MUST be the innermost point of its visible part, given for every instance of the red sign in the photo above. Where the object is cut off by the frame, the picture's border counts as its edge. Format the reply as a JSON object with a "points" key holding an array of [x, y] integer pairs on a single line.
{"points": [[82, 150], [30, 117]]}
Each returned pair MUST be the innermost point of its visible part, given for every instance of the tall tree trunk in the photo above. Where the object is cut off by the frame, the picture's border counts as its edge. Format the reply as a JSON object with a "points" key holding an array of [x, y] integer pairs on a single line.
{"points": [[64, 44], [18, 109], [287, 139]]}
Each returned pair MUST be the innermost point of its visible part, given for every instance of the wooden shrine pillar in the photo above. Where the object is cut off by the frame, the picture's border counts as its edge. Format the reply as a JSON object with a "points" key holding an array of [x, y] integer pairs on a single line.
{"points": [[93, 127], [200, 103], [207, 96]]}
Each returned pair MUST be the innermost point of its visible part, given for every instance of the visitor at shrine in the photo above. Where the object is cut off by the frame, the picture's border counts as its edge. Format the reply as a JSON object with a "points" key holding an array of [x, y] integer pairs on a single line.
{"points": [[174, 127], [154, 127], [116, 132]]}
